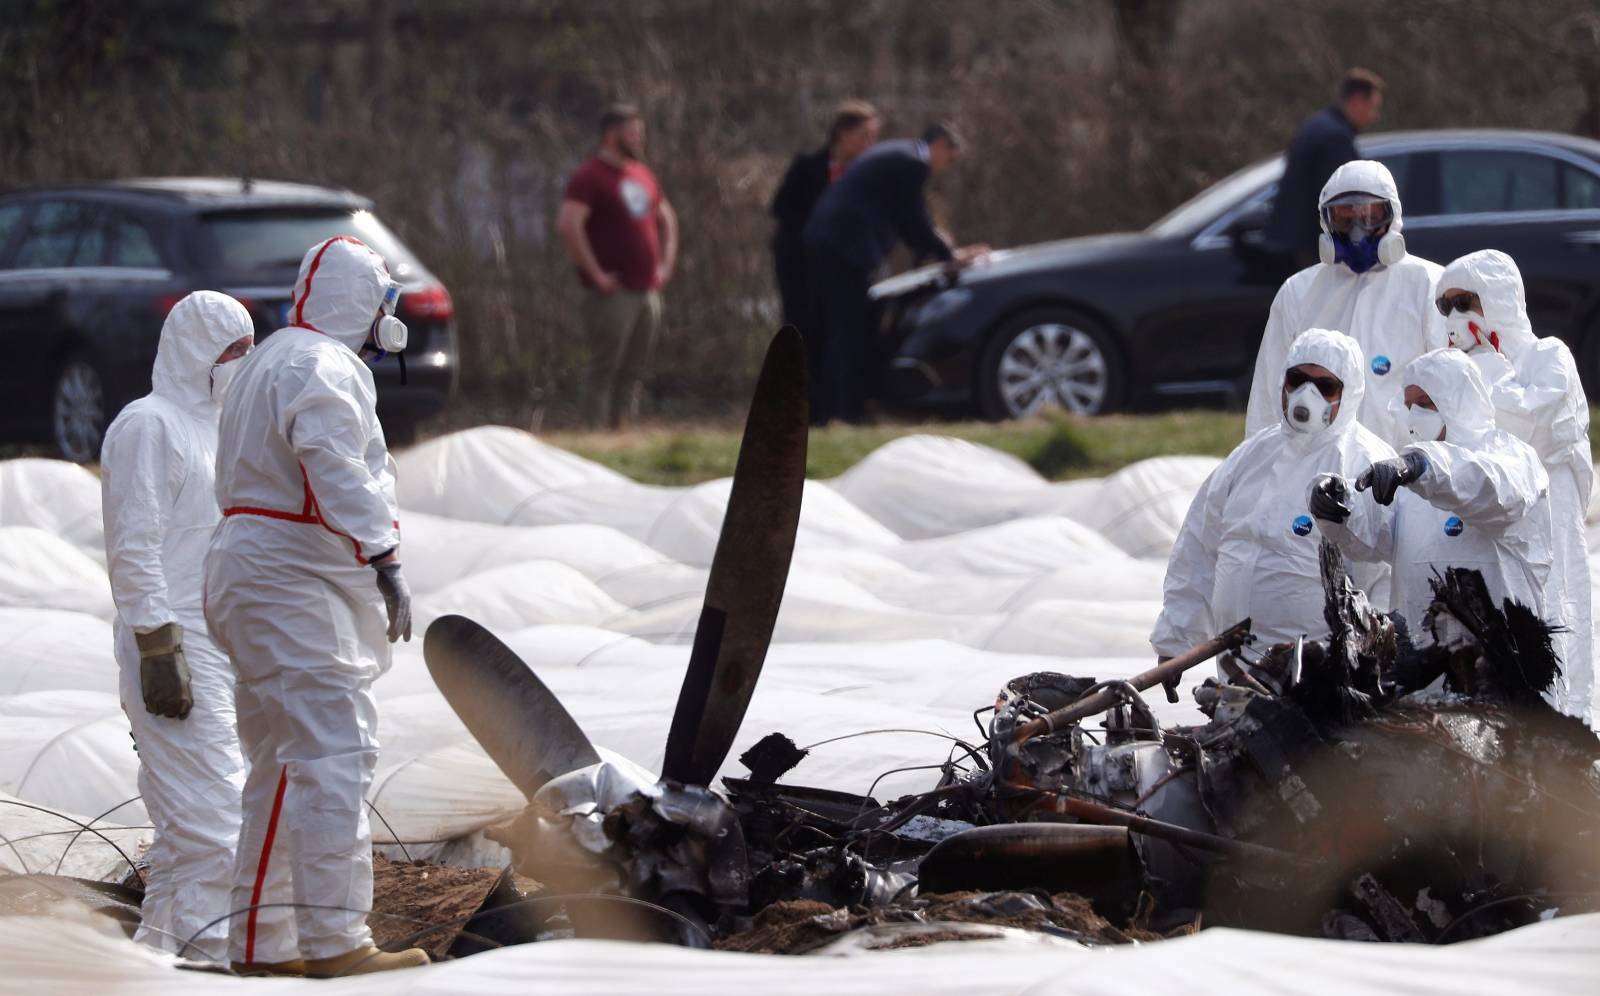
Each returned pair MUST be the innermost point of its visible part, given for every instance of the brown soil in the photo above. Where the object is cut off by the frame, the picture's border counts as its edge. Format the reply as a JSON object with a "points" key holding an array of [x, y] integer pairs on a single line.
{"points": [[797, 926], [407, 897]]}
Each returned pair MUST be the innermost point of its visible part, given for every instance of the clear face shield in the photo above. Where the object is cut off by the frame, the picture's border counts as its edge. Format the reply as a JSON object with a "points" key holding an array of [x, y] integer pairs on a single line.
{"points": [[1356, 215]]}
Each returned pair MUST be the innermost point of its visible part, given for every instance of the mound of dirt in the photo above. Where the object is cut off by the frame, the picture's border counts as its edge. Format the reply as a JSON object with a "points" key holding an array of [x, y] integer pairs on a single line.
{"points": [[798, 926]]}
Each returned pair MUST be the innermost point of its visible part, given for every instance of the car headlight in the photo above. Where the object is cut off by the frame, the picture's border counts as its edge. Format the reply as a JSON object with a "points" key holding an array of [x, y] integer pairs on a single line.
{"points": [[944, 304]]}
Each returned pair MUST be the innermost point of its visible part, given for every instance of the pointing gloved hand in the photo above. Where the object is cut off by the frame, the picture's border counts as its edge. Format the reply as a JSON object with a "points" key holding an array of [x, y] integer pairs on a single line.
{"points": [[1386, 476], [164, 673], [1329, 499], [396, 595]]}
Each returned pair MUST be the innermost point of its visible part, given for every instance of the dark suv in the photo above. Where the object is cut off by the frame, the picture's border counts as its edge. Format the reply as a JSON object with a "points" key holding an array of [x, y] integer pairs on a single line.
{"points": [[88, 274]]}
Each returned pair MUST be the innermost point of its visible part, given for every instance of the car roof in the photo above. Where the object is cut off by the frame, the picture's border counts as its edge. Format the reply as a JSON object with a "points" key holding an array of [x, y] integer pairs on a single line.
{"points": [[211, 193], [1440, 138]]}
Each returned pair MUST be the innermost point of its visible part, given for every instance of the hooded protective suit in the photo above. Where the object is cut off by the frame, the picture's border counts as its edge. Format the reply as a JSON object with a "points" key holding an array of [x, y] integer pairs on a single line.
{"points": [[1538, 398], [156, 473], [1247, 547], [1388, 310], [1481, 503], [306, 487]]}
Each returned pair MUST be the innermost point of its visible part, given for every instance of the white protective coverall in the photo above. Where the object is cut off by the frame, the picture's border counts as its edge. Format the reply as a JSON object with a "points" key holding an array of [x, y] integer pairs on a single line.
{"points": [[306, 487], [156, 478], [1539, 398], [1247, 547], [1482, 503], [1388, 310]]}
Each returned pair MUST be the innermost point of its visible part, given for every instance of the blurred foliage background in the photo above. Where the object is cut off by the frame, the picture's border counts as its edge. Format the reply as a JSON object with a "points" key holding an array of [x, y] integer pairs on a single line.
{"points": [[462, 119]]}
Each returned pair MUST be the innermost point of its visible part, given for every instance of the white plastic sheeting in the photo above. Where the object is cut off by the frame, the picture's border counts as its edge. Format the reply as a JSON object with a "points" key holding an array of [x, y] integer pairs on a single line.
{"points": [[72, 953], [923, 580]]}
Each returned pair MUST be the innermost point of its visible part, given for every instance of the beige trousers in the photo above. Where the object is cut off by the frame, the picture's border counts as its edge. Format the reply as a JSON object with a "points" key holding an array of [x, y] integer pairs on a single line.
{"points": [[621, 328]]}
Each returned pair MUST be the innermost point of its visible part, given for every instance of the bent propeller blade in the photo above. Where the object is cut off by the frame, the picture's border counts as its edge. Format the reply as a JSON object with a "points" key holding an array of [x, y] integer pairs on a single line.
{"points": [[748, 571], [520, 723]]}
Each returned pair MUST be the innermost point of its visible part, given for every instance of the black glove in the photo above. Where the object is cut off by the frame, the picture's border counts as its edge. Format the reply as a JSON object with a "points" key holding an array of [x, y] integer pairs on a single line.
{"points": [[396, 596], [164, 673], [1386, 476], [1328, 499]]}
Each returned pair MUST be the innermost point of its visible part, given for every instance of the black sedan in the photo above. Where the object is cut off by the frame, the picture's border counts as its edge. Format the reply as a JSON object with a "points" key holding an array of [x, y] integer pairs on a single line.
{"points": [[1175, 313], [88, 274]]}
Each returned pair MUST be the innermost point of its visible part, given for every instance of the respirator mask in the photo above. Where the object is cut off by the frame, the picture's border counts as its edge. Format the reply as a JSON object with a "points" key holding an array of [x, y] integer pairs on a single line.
{"points": [[222, 378], [1349, 224], [388, 333], [1424, 424], [1307, 408]]}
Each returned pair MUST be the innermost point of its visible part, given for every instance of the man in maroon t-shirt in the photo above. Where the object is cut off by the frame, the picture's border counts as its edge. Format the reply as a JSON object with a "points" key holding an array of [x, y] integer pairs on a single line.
{"points": [[623, 236]]}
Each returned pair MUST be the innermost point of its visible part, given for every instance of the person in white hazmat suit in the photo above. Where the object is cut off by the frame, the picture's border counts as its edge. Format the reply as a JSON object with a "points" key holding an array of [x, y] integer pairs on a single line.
{"points": [[304, 591], [1538, 398], [156, 473], [1247, 547], [1366, 286], [1462, 494]]}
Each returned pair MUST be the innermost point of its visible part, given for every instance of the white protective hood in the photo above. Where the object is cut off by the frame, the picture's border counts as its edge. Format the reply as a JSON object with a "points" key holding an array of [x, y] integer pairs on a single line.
{"points": [[1342, 357], [1457, 390], [1494, 277], [340, 286], [197, 330], [1362, 176]]}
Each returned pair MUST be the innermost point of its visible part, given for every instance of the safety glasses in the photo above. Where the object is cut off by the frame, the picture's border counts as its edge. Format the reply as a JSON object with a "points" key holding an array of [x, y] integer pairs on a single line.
{"points": [[1447, 303], [391, 298], [1344, 217], [1328, 387]]}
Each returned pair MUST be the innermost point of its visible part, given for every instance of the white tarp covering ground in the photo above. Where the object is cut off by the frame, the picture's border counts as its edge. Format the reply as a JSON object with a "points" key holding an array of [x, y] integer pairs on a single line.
{"points": [[924, 578]]}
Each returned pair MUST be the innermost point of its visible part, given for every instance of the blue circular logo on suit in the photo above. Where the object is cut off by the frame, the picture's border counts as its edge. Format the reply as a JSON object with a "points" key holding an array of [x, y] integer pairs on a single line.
{"points": [[1454, 525], [1302, 525], [1380, 365]]}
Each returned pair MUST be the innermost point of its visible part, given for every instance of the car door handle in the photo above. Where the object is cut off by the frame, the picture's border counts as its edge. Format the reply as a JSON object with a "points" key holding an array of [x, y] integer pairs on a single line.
{"points": [[1589, 240]]}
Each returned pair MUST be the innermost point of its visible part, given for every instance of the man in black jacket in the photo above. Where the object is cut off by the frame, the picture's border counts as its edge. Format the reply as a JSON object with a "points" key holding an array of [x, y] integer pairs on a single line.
{"points": [[854, 129], [1324, 142], [875, 204]]}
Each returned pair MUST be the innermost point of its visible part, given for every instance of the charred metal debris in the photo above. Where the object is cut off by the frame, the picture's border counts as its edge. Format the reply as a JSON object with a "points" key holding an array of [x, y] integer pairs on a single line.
{"points": [[1355, 788]]}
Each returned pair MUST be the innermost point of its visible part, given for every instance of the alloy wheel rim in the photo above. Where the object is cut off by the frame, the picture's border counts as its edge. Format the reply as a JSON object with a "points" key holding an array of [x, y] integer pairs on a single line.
{"points": [[1052, 364], [79, 412]]}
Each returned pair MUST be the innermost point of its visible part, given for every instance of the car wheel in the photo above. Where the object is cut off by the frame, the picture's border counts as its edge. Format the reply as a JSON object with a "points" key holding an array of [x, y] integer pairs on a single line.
{"points": [[1048, 358], [399, 432], [78, 410]]}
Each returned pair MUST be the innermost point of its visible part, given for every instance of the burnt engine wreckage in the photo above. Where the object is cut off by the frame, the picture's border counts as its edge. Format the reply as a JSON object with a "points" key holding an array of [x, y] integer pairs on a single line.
{"points": [[1358, 787]]}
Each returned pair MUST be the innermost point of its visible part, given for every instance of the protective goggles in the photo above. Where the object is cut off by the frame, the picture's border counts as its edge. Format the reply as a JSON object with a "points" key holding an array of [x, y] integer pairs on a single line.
{"points": [[1447, 303], [1329, 387], [391, 298], [1367, 213]]}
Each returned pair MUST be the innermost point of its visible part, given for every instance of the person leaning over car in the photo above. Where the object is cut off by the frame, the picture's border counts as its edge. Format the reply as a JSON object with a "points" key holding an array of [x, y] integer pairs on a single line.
{"points": [[877, 203], [622, 234]]}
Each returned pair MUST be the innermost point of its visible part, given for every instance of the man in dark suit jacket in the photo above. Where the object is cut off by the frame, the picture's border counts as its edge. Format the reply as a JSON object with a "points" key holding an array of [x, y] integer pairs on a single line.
{"points": [[1323, 142], [854, 129], [875, 204]]}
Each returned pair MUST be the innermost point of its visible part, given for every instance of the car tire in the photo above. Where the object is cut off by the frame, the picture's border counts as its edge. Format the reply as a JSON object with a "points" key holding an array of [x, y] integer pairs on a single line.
{"points": [[399, 432], [1049, 357], [78, 407]]}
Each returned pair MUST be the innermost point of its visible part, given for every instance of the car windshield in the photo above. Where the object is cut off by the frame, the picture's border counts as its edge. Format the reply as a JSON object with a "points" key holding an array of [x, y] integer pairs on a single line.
{"points": [[252, 241], [1199, 211]]}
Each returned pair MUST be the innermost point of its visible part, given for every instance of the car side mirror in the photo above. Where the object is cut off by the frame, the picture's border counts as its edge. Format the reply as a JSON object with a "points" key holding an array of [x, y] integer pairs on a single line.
{"points": [[1248, 231]]}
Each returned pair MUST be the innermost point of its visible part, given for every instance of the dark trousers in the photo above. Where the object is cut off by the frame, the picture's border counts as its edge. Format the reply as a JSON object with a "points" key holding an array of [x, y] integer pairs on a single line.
{"points": [[843, 329], [789, 264]]}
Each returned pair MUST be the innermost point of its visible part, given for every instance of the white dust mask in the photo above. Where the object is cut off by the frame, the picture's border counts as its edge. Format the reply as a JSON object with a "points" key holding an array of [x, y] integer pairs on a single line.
{"points": [[222, 377], [1467, 332], [1306, 410], [1424, 424]]}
